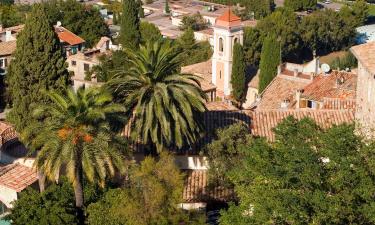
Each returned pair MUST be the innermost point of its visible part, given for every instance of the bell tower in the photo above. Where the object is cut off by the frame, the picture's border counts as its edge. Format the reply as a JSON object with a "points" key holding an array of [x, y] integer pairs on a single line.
{"points": [[228, 30]]}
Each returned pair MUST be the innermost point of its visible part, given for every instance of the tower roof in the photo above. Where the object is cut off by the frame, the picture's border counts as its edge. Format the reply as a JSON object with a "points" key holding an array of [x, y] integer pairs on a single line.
{"points": [[228, 19]]}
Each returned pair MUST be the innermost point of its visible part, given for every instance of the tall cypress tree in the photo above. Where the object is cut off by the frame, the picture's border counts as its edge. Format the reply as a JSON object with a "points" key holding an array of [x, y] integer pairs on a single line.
{"points": [[38, 65], [130, 35], [238, 79], [269, 61]]}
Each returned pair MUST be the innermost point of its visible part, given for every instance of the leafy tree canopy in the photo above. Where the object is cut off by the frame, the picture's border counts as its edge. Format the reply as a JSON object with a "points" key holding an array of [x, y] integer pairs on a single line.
{"points": [[306, 176], [151, 197], [149, 32], [85, 22]]}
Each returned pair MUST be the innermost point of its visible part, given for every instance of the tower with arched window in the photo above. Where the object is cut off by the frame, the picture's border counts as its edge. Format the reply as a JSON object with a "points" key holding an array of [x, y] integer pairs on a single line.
{"points": [[228, 30]]}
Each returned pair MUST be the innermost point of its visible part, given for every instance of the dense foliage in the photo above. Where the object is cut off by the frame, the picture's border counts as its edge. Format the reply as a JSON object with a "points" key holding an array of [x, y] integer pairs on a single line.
{"points": [[12, 15], [38, 65], [298, 5], [53, 206], [191, 51], [164, 103], [269, 61], [195, 22], [238, 79], [347, 61], [307, 176], [151, 197], [83, 21], [130, 36], [149, 32]]}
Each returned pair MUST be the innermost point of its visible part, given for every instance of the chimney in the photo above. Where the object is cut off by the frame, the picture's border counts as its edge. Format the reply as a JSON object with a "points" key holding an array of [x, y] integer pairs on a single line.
{"points": [[8, 35], [298, 97], [284, 104]]}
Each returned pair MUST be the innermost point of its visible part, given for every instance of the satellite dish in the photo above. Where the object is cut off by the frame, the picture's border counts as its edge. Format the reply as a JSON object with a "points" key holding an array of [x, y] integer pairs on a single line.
{"points": [[325, 68]]}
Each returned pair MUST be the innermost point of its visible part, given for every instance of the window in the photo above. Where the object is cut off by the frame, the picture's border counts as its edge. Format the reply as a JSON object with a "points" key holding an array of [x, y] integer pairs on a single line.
{"points": [[86, 67], [3, 63], [74, 63], [311, 104], [221, 45], [235, 40], [220, 74]]}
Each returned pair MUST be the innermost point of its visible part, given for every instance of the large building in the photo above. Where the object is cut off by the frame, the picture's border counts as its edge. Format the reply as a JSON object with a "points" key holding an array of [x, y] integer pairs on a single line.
{"points": [[365, 100]]}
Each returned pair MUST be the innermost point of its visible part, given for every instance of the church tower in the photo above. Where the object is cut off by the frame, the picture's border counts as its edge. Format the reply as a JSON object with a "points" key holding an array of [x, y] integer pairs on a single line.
{"points": [[228, 30]]}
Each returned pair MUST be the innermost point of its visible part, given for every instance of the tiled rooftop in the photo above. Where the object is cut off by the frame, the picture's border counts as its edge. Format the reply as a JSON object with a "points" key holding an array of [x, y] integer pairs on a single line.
{"points": [[7, 48], [262, 122], [196, 188], [228, 19], [203, 70], [67, 36], [16, 176], [281, 88], [365, 54], [337, 84], [220, 105]]}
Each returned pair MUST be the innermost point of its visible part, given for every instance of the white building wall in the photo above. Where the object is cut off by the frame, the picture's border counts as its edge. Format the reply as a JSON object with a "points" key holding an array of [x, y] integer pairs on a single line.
{"points": [[7, 196]]}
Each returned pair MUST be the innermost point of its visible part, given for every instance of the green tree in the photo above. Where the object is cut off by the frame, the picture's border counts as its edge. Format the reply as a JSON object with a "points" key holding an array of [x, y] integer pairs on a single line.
{"points": [[166, 7], [141, 11], [347, 61], [195, 22], [283, 23], [130, 35], [269, 61], [71, 130], [165, 104], [151, 198], [360, 11], [307, 176], [38, 64], [55, 205], [11, 15], [298, 5], [149, 32], [85, 22], [191, 51], [227, 144], [252, 45], [238, 79]]}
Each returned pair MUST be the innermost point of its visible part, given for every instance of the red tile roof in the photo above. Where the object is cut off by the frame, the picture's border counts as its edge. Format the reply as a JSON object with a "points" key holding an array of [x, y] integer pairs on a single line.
{"points": [[17, 177], [228, 19], [197, 189], [337, 84], [365, 54], [281, 88], [262, 122], [67, 36], [7, 48], [203, 70], [218, 106]]}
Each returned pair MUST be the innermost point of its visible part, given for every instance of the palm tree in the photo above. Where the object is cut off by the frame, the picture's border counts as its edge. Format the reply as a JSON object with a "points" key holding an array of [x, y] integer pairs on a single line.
{"points": [[75, 137], [165, 104]]}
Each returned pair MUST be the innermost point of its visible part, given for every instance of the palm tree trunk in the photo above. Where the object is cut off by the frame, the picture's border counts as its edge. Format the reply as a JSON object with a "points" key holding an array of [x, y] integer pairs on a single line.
{"points": [[41, 181], [78, 192]]}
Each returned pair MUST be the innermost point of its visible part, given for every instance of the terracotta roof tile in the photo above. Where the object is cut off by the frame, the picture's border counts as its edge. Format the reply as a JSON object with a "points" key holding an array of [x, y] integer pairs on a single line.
{"points": [[327, 86], [262, 122], [67, 36], [7, 48], [220, 106], [228, 19], [282, 87], [365, 54], [203, 70], [17, 177], [197, 189]]}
